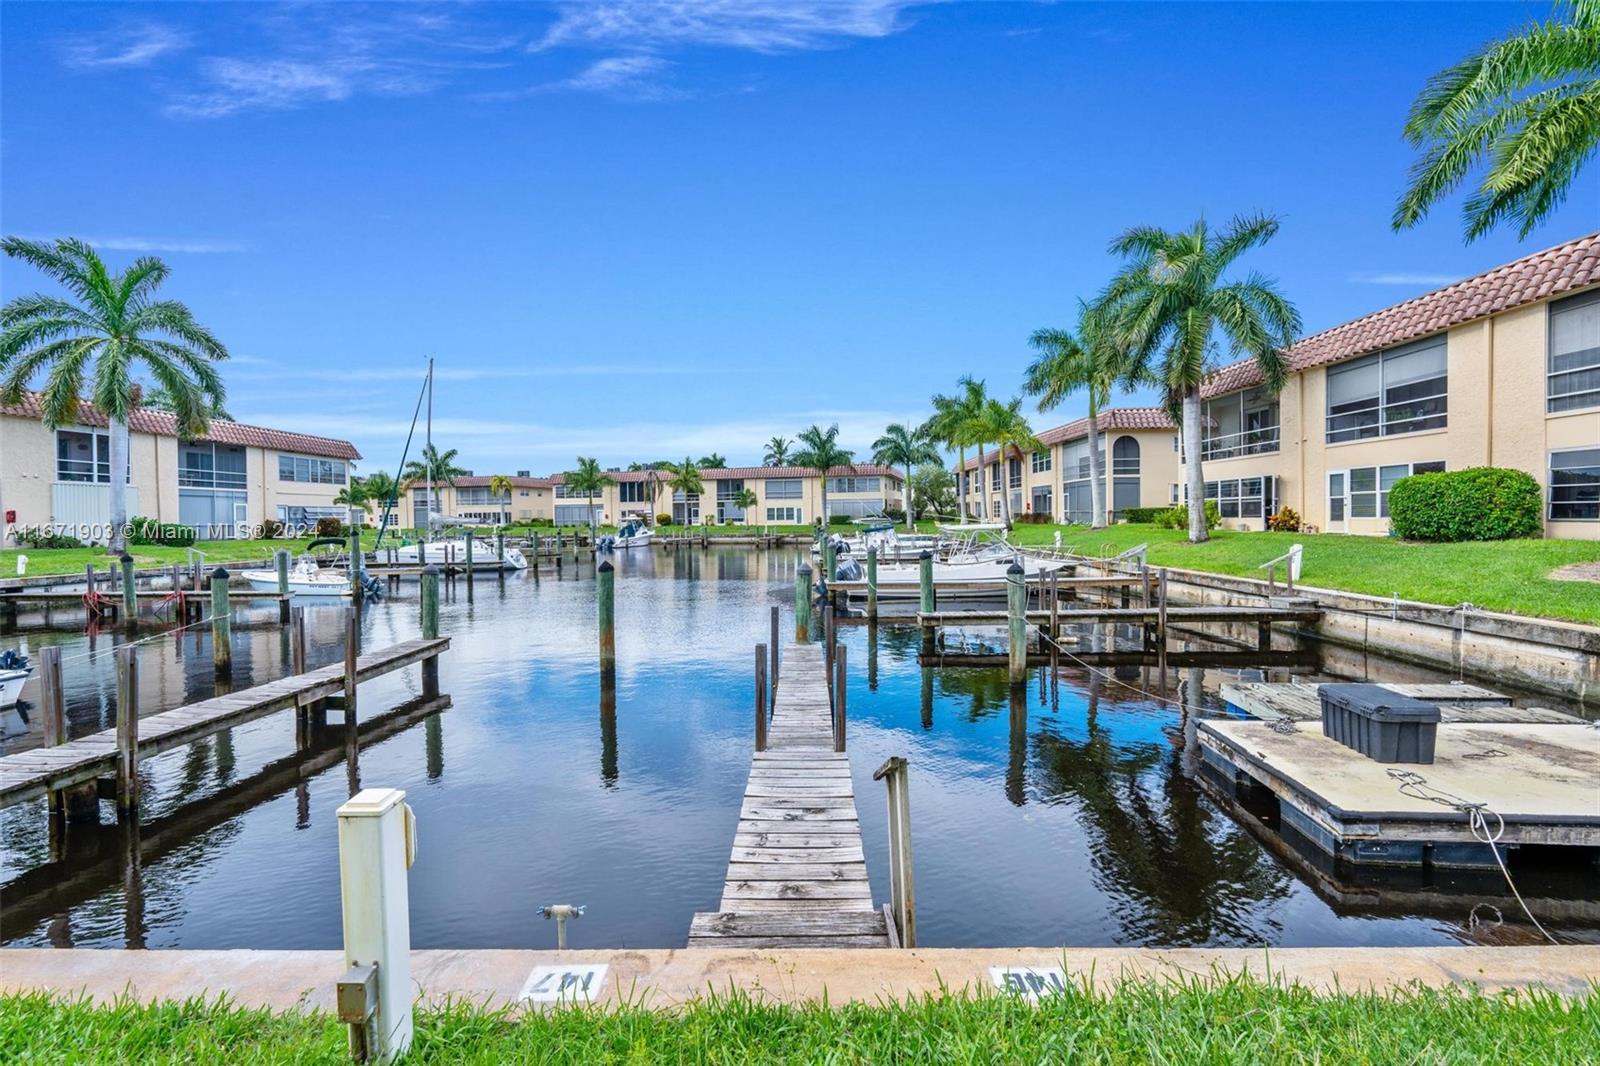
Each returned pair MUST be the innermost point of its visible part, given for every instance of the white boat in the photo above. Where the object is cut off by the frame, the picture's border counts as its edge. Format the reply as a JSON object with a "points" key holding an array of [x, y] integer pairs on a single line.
{"points": [[892, 545], [14, 673], [454, 553], [306, 578], [976, 564], [633, 535]]}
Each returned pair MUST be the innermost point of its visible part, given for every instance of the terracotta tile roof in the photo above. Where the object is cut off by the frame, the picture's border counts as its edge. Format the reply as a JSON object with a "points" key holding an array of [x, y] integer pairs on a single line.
{"points": [[162, 424], [1565, 268], [757, 472], [474, 481], [1117, 418]]}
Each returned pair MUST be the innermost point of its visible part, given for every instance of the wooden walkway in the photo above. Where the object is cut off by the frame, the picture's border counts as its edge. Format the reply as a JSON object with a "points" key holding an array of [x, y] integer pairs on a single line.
{"points": [[1133, 615], [797, 876], [41, 770]]}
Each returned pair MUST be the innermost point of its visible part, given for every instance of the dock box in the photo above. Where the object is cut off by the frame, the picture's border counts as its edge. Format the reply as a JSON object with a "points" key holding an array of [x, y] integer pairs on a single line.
{"points": [[1380, 724]]}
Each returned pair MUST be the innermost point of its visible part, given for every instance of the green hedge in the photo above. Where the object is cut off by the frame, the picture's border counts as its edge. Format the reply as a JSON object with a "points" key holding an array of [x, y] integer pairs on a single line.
{"points": [[168, 534], [1479, 503], [1141, 515]]}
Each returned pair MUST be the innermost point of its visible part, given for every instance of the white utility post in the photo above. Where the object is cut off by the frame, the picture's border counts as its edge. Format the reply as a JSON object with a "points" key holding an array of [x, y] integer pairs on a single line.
{"points": [[377, 842]]}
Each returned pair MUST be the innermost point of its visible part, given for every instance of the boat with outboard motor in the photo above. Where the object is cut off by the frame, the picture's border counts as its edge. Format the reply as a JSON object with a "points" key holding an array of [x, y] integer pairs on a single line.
{"points": [[631, 535], [976, 560], [306, 578], [453, 552], [892, 545], [15, 669]]}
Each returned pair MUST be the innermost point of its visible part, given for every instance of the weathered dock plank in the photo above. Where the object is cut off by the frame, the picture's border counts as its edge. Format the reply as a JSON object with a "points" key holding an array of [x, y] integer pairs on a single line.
{"points": [[797, 873]]}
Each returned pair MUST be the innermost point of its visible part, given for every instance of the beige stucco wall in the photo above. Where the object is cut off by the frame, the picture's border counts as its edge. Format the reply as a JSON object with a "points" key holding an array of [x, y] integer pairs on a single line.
{"points": [[28, 471]]}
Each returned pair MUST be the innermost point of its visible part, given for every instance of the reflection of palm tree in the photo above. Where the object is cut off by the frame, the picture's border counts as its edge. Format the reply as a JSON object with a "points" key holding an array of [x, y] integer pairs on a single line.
{"points": [[986, 690]]}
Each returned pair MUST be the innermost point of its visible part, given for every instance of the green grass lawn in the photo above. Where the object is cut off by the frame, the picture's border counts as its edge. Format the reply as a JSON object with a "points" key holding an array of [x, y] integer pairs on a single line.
{"points": [[1497, 575], [1236, 1021]]}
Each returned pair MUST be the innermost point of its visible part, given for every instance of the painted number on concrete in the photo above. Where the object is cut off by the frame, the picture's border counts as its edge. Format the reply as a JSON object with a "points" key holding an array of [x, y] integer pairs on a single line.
{"points": [[1030, 982], [577, 983]]}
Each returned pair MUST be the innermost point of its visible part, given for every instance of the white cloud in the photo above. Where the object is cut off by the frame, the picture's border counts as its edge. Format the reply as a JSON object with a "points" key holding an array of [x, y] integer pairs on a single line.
{"points": [[636, 77], [273, 84], [165, 244], [129, 45], [758, 25], [1402, 278]]}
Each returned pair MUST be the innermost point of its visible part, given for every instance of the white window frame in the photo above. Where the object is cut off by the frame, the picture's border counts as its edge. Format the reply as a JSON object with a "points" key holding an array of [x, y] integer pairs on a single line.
{"points": [[1550, 486], [1384, 426], [1590, 299]]}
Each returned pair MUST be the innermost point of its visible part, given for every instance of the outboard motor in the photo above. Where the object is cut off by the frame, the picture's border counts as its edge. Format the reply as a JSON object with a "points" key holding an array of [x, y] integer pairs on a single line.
{"points": [[371, 586], [607, 543], [12, 659], [848, 568]]}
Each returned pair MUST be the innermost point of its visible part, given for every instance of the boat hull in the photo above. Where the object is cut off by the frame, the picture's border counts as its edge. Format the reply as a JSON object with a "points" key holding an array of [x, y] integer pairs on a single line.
{"points": [[11, 682], [454, 553], [267, 581]]}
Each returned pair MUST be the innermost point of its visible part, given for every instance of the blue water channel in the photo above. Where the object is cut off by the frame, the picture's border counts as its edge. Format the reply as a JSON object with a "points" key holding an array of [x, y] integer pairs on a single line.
{"points": [[1069, 813]]}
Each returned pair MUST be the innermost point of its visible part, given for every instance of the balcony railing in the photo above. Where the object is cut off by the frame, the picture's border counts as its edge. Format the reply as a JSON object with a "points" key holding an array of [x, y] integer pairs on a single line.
{"points": [[1246, 442]]}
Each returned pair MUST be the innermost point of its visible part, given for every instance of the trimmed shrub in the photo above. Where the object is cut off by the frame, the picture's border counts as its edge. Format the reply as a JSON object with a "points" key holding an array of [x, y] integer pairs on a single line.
{"points": [[895, 514], [1032, 519], [1142, 515], [1178, 517], [1285, 521], [840, 520], [171, 534], [271, 529], [1479, 503], [663, 520], [329, 526], [44, 537]]}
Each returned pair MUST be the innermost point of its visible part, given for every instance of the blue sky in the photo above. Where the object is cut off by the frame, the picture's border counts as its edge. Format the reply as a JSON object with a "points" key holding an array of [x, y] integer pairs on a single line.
{"points": [[639, 230]]}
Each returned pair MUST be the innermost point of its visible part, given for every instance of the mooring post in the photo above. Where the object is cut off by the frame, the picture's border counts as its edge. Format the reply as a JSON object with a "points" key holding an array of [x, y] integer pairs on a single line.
{"points": [[828, 647], [839, 717], [605, 597], [1161, 624], [802, 604], [430, 628], [500, 548], [297, 640], [130, 591], [352, 648], [761, 697], [221, 623], [355, 563], [280, 559], [1144, 579], [127, 729], [377, 844], [902, 904], [1017, 616], [925, 582], [470, 539], [89, 578], [830, 559], [54, 708], [773, 680], [872, 584]]}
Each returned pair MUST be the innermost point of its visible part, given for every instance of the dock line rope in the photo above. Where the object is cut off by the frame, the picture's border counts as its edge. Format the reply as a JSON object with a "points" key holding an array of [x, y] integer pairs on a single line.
{"points": [[1413, 784]]}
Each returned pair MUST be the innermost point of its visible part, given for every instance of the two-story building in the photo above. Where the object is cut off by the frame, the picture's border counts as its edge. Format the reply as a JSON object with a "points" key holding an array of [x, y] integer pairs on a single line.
{"points": [[1138, 455], [1501, 369], [232, 479]]}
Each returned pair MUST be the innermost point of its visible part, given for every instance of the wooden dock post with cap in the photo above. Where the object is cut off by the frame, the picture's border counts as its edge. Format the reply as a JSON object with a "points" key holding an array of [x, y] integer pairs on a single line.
{"points": [[130, 592], [802, 604], [280, 560], [901, 910], [356, 560], [839, 719], [761, 697], [127, 729], [773, 680], [221, 623], [605, 599], [1017, 619], [872, 584], [430, 627]]}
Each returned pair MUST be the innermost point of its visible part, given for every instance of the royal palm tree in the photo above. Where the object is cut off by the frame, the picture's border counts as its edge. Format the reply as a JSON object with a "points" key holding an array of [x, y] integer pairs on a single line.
{"points": [[159, 399], [1525, 110], [820, 451], [111, 328], [500, 488], [900, 446], [683, 477], [589, 480], [1173, 310], [1004, 426], [777, 453], [955, 419], [1089, 358]]}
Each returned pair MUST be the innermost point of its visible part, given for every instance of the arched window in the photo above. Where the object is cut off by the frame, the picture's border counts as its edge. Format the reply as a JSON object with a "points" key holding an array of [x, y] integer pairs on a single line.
{"points": [[1125, 457]]}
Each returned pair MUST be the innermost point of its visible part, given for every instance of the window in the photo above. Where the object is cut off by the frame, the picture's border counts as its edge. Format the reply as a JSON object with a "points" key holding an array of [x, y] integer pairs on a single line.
{"points": [[1370, 485], [83, 455], [1245, 497], [1014, 473], [1241, 423], [727, 490], [1574, 378], [784, 488], [1364, 492], [1041, 499], [633, 492], [788, 515], [305, 469], [994, 476], [853, 484], [1575, 485], [1125, 457], [1399, 391], [1041, 461], [1172, 496]]}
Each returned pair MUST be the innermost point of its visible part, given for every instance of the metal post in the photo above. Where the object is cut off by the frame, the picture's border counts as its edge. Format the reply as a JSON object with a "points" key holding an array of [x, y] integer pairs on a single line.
{"points": [[761, 697], [925, 581], [802, 604], [127, 729], [221, 623], [605, 597], [1017, 616], [773, 680], [872, 584], [839, 700], [377, 842], [430, 627], [902, 893], [130, 591], [352, 648]]}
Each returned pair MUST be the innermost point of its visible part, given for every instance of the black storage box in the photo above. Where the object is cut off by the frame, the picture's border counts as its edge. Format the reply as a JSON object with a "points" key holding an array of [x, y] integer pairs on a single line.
{"points": [[1380, 724]]}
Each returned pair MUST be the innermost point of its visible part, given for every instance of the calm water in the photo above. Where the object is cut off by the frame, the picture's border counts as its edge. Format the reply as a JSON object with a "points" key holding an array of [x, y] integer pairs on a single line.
{"points": [[1069, 814]]}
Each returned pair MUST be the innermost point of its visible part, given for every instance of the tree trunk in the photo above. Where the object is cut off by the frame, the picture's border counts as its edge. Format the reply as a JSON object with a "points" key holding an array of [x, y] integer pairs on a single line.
{"points": [[824, 514], [119, 486], [983, 486], [964, 483], [911, 522], [1196, 478], [1005, 487], [1097, 484]]}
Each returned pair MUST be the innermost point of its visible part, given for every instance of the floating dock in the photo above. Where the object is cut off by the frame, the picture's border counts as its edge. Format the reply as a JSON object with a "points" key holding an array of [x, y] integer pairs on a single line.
{"points": [[797, 876], [1457, 703]]}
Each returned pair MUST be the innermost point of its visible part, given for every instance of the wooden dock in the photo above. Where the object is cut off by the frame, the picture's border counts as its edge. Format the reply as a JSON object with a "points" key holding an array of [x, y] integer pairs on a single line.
{"points": [[1126, 615], [797, 876], [1457, 703], [76, 762]]}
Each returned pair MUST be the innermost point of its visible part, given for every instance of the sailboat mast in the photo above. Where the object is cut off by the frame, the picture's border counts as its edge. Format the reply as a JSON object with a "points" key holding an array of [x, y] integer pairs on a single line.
{"points": [[428, 449]]}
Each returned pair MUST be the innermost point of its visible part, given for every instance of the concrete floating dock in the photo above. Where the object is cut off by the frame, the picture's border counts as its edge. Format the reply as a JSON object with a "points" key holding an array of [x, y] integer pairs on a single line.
{"points": [[1457, 703], [797, 876], [1542, 779]]}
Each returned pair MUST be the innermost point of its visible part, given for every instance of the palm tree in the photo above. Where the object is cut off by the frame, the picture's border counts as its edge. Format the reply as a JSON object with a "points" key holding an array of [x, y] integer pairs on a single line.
{"points": [[777, 453], [683, 477], [955, 420], [500, 488], [1090, 359], [381, 488], [1524, 109], [435, 466], [111, 327], [1004, 426], [352, 496], [821, 452], [746, 499], [713, 462], [1170, 303], [589, 481], [900, 446], [159, 399]]}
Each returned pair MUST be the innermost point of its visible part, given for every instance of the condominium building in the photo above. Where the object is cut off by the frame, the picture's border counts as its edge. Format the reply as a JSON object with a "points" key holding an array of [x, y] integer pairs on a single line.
{"points": [[1501, 369], [224, 483]]}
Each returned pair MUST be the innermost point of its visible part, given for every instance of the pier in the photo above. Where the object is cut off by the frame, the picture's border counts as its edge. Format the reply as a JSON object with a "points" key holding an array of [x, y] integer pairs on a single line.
{"points": [[797, 876]]}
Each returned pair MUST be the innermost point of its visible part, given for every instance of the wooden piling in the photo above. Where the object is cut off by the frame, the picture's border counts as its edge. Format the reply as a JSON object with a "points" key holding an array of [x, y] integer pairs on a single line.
{"points": [[430, 627], [761, 697], [221, 623], [605, 598], [925, 581], [280, 560], [839, 717], [773, 672], [130, 591], [127, 730], [352, 650], [902, 905], [470, 538], [1017, 617], [356, 561], [1161, 624], [52, 696], [830, 560], [802, 604], [872, 584], [297, 640], [89, 577]]}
